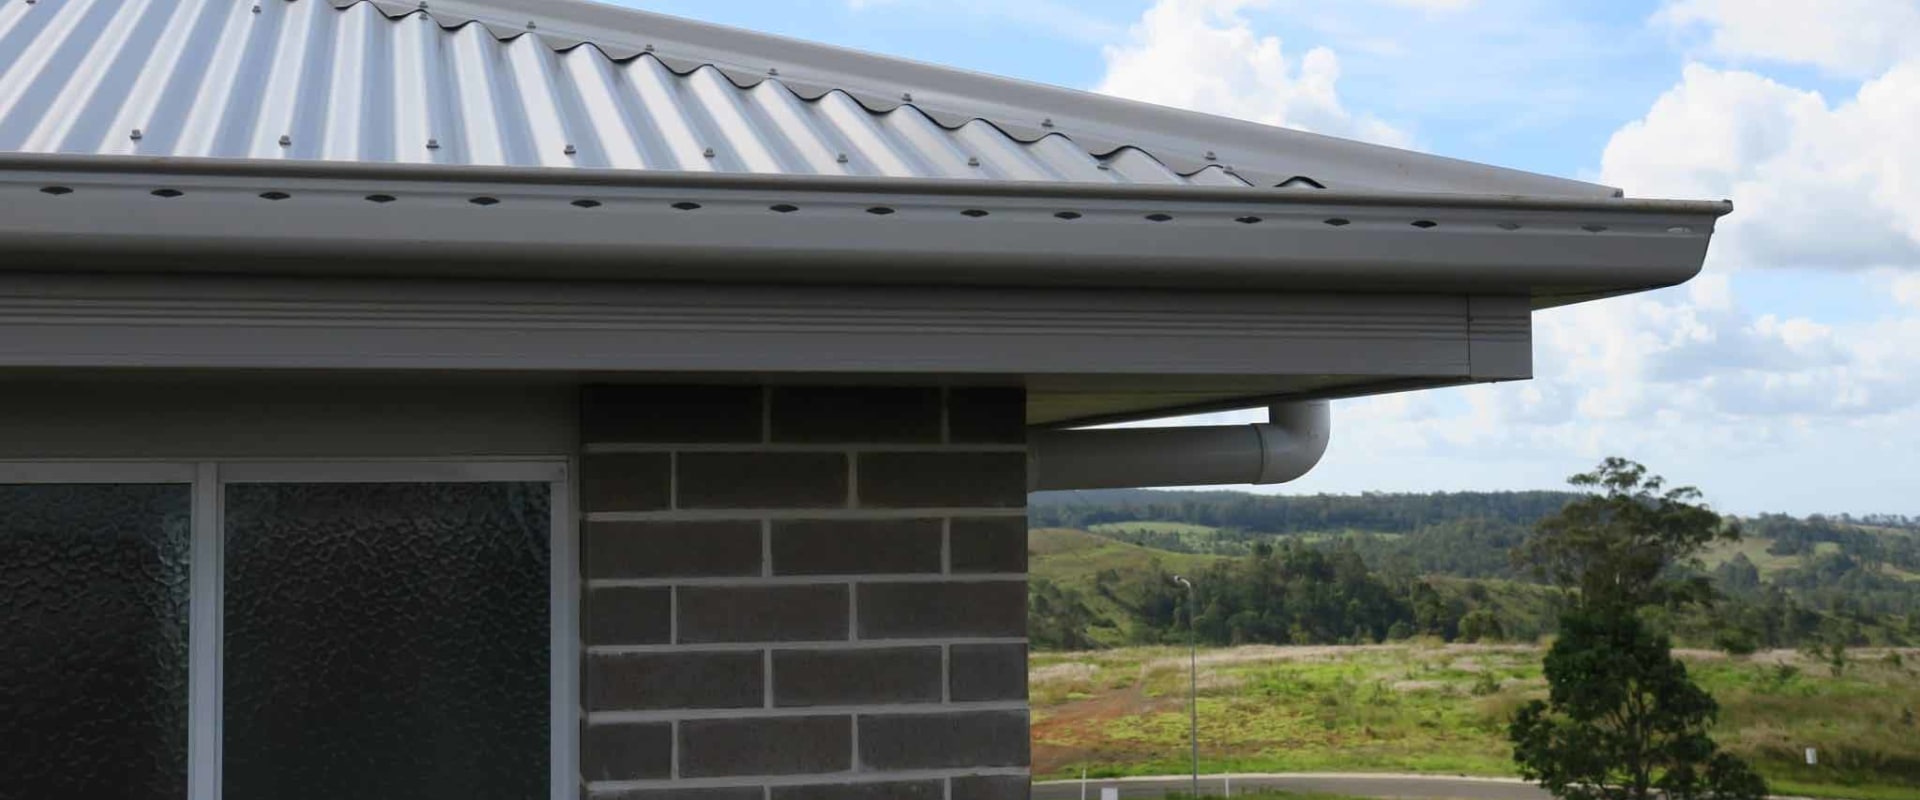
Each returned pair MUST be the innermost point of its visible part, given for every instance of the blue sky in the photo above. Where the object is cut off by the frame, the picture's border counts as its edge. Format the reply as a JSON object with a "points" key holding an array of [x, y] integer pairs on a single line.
{"points": [[1787, 378]]}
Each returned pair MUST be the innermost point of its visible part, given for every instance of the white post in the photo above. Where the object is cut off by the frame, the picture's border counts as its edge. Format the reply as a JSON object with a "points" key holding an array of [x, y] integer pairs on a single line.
{"points": [[1813, 757], [1229, 792], [1109, 793], [1083, 783]]}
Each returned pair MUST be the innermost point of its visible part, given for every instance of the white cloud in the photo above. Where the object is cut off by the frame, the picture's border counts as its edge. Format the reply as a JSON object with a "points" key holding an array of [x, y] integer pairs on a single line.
{"points": [[1204, 55], [1817, 186], [1906, 290], [1437, 5], [1769, 407], [1853, 37], [1693, 374], [1059, 19]]}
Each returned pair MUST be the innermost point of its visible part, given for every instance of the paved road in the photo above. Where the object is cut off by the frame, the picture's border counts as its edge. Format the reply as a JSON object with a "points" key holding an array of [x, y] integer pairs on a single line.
{"points": [[1414, 787]]}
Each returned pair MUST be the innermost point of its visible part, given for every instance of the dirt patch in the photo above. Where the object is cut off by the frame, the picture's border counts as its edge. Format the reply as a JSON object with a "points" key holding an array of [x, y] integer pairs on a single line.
{"points": [[1072, 733]]}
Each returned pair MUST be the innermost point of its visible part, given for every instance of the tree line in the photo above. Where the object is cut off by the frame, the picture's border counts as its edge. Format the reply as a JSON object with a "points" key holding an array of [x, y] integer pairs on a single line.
{"points": [[1442, 565]]}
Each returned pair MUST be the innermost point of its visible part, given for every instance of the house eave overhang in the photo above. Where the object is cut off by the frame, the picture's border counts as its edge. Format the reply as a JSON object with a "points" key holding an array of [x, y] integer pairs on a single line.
{"points": [[276, 217]]}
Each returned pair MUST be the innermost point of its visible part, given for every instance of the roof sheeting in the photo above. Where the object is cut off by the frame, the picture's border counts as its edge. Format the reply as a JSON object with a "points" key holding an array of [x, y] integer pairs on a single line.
{"points": [[304, 80]]}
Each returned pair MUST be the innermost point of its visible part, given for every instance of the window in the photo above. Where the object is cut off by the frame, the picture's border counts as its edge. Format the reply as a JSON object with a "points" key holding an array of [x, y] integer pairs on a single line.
{"points": [[287, 631]]}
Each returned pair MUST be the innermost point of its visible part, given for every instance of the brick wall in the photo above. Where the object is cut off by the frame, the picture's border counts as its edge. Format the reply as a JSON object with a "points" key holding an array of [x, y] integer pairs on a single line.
{"points": [[797, 593]]}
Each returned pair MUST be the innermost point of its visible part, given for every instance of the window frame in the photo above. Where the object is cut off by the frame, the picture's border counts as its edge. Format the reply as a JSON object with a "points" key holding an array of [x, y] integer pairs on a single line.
{"points": [[207, 480]]}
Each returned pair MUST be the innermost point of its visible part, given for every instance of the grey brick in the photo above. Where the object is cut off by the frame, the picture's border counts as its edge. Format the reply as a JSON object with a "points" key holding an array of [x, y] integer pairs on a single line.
{"points": [[714, 614], [763, 480], [629, 616], [922, 610], [944, 741], [856, 547], [778, 746], [626, 482], [675, 681], [672, 549], [741, 793], [943, 480], [854, 677], [671, 414], [856, 415], [892, 790], [990, 544], [983, 672], [991, 787], [987, 415], [627, 752]]}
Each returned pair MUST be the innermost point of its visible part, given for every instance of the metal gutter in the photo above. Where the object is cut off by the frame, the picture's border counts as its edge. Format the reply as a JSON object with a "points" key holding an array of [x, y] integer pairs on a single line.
{"points": [[386, 220], [129, 166]]}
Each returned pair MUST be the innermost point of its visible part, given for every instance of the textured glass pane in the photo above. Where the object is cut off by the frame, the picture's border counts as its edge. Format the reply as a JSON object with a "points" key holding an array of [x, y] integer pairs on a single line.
{"points": [[386, 641], [93, 641]]}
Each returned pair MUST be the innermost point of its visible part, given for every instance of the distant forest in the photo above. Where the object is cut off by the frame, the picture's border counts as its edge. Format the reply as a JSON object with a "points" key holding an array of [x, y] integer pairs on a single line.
{"points": [[1375, 567]]}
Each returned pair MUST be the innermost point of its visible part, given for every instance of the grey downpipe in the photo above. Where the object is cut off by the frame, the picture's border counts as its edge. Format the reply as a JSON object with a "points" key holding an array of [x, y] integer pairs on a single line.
{"points": [[1286, 447]]}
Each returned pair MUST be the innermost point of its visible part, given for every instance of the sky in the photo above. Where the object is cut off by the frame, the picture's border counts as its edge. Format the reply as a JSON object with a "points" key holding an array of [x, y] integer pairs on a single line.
{"points": [[1786, 378]]}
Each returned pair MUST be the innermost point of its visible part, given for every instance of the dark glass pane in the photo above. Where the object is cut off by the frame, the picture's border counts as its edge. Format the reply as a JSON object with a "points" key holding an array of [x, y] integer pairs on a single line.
{"points": [[386, 641], [94, 587]]}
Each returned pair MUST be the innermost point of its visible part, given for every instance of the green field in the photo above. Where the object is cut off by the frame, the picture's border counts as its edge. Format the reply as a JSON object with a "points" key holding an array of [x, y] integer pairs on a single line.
{"points": [[1072, 558], [1771, 565], [1429, 708]]}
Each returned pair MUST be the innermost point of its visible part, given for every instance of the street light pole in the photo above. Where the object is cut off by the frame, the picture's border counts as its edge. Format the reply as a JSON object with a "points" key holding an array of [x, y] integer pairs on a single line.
{"points": [[1193, 685]]}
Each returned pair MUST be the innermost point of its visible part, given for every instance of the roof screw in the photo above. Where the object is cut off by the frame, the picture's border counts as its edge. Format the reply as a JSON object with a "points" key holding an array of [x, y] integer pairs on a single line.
{"points": [[1104, 167], [1212, 156], [433, 144], [423, 5], [973, 161], [571, 150], [711, 154], [773, 72], [649, 48], [906, 97], [530, 25], [843, 158], [135, 135], [256, 7], [1046, 123], [286, 141]]}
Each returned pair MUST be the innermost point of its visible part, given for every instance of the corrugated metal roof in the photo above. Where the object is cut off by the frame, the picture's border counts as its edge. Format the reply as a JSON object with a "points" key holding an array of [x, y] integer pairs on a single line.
{"points": [[302, 79]]}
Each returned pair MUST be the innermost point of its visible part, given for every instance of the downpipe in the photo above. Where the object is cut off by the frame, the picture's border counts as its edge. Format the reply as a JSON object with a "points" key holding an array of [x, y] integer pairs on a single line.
{"points": [[1283, 449]]}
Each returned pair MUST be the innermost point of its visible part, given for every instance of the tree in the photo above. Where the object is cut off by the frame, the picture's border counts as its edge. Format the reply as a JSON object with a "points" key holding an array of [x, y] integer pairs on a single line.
{"points": [[1058, 617], [1618, 547], [1480, 625], [1623, 720]]}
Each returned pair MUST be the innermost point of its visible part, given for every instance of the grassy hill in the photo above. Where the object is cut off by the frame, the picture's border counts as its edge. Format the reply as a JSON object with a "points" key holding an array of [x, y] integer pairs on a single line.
{"points": [[1432, 708], [1072, 558]]}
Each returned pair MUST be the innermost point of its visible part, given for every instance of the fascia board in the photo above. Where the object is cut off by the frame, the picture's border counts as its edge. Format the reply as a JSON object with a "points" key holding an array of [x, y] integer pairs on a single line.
{"points": [[1211, 239], [1025, 109]]}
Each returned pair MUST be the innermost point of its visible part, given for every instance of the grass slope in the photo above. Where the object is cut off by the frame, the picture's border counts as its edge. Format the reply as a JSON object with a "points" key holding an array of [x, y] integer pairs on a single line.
{"points": [[1443, 709], [1072, 558]]}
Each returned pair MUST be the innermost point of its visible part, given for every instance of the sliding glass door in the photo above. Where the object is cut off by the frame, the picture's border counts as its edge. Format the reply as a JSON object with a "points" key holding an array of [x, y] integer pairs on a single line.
{"points": [[287, 631]]}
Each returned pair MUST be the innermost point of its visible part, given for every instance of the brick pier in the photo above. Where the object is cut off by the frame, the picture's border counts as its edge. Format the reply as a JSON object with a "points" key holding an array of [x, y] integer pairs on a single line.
{"points": [[797, 593]]}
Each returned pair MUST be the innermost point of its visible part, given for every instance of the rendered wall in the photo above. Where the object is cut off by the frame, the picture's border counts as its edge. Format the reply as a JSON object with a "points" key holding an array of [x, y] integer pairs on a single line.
{"points": [[796, 593]]}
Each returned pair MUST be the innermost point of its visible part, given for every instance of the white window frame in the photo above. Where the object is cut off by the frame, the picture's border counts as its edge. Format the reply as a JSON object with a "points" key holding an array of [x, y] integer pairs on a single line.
{"points": [[207, 481]]}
